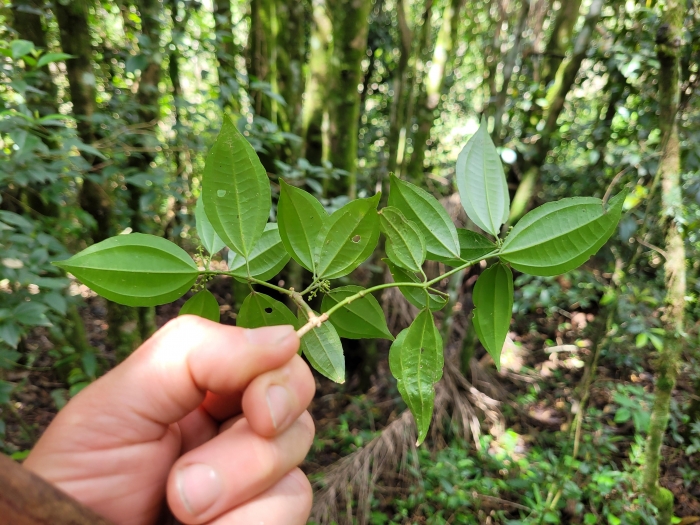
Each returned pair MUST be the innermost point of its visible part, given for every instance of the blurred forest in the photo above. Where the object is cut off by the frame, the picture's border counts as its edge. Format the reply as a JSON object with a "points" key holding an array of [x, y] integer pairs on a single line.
{"points": [[107, 109]]}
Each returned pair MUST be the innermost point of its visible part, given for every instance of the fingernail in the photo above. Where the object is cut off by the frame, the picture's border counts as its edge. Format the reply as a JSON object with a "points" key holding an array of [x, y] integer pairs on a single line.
{"points": [[279, 404], [269, 335], [199, 487]]}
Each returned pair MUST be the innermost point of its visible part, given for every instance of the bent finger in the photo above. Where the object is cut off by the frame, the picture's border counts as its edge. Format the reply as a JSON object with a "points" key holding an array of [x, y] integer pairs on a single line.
{"points": [[288, 502], [274, 400], [232, 468]]}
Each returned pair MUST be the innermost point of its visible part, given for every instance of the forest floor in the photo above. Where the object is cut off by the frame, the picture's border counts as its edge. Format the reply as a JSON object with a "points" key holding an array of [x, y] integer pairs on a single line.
{"points": [[538, 385]]}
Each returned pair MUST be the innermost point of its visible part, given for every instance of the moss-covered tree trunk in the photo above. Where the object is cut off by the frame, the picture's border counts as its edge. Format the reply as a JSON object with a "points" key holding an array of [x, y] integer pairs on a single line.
{"points": [[433, 85], [261, 55], [556, 96], [350, 26], [291, 57], [315, 144], [226, 52], [669, 47]]}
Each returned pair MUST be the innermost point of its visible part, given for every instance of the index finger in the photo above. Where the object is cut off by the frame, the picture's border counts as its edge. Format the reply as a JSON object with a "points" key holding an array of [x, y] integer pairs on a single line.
{"points": [[170, 374]]}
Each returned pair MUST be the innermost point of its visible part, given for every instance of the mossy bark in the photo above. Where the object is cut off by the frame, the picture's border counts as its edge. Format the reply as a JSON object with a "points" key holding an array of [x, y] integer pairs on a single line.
{"points": [[315, 143], [433, 83], [226, 53], [350, 26], [668, 40]]}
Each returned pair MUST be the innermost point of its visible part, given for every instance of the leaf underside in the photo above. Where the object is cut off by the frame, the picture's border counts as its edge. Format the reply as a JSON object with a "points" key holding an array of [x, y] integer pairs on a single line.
{"points": [[493, 307], [428, 215], [560, 236], [203, 304], [266, 260], [416, 296], [482, 183], [210, 240], [405, 245], [416, 361], [235, 190], [362, 318], [322, 347], [260, 310], [134, 270]]}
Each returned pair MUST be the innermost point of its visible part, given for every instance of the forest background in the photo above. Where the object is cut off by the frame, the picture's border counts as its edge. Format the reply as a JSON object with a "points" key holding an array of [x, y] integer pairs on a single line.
{"points": [[107, 112]]}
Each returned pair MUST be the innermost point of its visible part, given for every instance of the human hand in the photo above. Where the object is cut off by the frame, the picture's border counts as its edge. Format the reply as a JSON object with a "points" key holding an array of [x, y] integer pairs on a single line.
{"points": [[211, 416]]}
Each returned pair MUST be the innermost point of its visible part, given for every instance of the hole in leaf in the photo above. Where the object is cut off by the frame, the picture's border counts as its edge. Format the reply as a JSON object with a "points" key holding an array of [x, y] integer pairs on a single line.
{"points": [[268, 310], [356, 239], [221, 193]]}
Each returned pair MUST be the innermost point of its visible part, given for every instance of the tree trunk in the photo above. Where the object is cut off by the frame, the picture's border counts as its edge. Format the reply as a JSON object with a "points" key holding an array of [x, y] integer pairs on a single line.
{"points": [[433, 84], [350, 26], [315, 144], [260, 60], [668, 51], [565, 78], [291, 57], [226, 52]]}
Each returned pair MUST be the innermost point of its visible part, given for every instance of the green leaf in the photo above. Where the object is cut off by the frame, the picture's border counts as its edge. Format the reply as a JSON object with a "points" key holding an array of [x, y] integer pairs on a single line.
{"points": [[265, 261], [235, 190], [405, 244], [300, 217], [416, 361], [135, 269], [362, 318], [482, 182], [416, 296], [560, 236], [347, 238], [428, 215], [21, 48], [322, 348], [52, 57], [260, 310], [203, 304], [493, 307], [31, 313], [210, 240], [10, 333], [56, 301], [472, 246]]}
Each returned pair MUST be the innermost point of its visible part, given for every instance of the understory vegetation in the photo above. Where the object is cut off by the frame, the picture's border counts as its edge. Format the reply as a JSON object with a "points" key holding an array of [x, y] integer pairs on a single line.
{"points": [[108, 111]]}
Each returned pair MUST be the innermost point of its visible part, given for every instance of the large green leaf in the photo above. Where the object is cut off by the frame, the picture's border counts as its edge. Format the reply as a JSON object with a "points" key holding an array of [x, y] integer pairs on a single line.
{"points": [[416, 296], [362, 318], [323, 349], [560, 236], [210, 240], [235, 190], [493, 307], [347, 238], [405, 244], [472, 246], [416, 361], [266, 259], [135, 269], [203, 304], [260, 310], [482, 182], [428, 215], [301, 218]]}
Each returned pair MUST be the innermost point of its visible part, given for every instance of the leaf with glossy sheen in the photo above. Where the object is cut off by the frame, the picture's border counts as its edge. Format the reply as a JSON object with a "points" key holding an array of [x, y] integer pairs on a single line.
{"points": [[560, 236], [323, 349], [235, 190], [347, 238], [428, 215], [405, 243], [472, 246], [362, 318], [416, 361], [260, 310], [493, 308], [482, 183], [265, 261], [416, 296], [203, 304], [210, 240], [135, 269], [300, 217]]}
